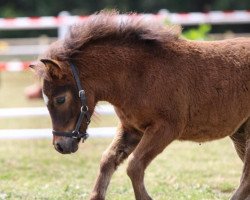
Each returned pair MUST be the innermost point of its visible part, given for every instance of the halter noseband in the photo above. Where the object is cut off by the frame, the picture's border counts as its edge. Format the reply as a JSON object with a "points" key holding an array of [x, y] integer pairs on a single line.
{"points": [[84, 114]]}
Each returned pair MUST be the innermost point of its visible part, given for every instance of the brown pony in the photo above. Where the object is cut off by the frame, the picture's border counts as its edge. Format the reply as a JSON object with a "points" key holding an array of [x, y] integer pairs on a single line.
{"points": [[163, 88]]}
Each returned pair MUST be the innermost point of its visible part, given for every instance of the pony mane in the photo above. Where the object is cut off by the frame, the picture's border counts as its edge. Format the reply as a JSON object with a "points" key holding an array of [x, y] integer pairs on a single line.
{"points": [[107, 24]]}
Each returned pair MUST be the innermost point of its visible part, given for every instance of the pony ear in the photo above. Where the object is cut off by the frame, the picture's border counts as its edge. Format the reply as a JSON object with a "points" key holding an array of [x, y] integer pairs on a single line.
{"points": [[32, 66], [53, 68], [38, 69]]}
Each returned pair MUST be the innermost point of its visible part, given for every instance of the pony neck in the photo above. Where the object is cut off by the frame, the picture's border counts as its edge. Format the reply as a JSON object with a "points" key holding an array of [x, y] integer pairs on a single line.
{"points": [[109, 71]]}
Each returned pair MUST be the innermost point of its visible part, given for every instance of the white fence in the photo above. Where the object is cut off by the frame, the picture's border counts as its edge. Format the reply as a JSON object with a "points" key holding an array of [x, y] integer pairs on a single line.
{"points": [[64, 20], [14, 66], [193, 18], [46, 133], [42, 111]]}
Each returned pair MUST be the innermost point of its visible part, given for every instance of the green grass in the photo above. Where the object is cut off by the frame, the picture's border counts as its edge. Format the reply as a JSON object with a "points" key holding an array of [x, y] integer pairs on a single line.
{"points": [[32, 169]]}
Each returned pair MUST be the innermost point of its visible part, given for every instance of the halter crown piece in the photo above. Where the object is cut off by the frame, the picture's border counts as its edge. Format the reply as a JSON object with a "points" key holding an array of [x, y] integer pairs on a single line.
{"points": [[84, 110]]}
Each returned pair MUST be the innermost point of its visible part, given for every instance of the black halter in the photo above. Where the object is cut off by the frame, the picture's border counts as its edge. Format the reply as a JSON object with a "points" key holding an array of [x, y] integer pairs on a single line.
{"points": [[84, 114]]}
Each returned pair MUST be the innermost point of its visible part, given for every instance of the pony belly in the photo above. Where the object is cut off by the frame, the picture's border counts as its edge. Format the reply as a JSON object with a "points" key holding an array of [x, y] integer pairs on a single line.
{"points": [[204, 135], [209, 132]]}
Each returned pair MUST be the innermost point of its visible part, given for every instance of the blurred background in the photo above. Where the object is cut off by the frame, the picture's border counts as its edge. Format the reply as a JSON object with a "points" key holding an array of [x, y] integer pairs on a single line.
{"points": [[31, 169]]}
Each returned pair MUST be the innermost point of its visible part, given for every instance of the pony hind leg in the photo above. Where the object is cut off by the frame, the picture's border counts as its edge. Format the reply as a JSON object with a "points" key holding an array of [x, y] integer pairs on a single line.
{"points": [[243, 192], [242, 144], [122, 145], [239, 139]]}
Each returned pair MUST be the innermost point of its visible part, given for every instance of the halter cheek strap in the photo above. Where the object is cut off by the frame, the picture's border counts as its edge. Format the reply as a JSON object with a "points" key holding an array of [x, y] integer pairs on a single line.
{"points": [[84, 111]]}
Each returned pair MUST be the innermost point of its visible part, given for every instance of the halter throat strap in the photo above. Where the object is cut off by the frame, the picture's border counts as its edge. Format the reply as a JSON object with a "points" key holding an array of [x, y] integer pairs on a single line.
{"points": [[84, 111]]}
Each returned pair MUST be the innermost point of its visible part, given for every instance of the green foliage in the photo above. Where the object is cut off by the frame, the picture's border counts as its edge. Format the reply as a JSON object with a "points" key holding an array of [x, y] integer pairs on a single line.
{"points": [[199, 33]]}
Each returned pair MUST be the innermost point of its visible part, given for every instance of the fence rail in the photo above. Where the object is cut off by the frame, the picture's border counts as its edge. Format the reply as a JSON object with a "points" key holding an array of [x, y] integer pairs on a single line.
{"points": [[15, 66], [65, 20], [193, 18], [47, 133], [42, 111]]}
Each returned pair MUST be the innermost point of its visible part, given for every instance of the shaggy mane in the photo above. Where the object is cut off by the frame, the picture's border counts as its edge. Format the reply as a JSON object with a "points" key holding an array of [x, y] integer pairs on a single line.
{"points": [[106, 24]]}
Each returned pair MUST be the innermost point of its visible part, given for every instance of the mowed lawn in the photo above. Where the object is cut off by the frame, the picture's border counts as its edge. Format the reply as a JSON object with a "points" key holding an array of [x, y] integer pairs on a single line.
{"points": [[32, 169]]}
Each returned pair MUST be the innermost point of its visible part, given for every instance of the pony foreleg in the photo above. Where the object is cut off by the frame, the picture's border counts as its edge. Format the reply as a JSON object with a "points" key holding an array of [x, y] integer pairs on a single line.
{"points": [[123, 144], [153, 142]]}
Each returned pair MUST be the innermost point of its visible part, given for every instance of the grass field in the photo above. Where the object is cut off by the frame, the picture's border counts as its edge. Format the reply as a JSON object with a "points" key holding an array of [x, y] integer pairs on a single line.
{"points": [[32, 169]]}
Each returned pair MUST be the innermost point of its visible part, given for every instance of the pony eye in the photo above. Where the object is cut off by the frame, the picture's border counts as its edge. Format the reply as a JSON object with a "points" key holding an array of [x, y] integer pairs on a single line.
{"points": [[60, 100]]}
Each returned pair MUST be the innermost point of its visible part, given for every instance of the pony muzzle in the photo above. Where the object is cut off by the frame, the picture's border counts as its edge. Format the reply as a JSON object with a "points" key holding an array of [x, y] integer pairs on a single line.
{"points": [[66, 145]]}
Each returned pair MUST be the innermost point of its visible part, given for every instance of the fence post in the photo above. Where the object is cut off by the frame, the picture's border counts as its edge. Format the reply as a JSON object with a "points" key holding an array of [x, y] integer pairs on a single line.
{"points": [[63, 29], [165, 16]]}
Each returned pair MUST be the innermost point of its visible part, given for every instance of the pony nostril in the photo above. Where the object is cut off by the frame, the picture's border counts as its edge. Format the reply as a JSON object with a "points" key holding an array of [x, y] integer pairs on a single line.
{"points": [[59, 148]]}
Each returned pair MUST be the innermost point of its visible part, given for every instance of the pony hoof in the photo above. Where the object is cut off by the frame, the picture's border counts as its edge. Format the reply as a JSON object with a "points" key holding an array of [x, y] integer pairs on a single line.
{"points": [[96, 197]]}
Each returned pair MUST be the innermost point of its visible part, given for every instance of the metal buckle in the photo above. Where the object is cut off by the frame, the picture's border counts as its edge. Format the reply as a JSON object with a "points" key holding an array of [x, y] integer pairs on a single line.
{"points": [[81, 92], [84, 109], [76, 133]]}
